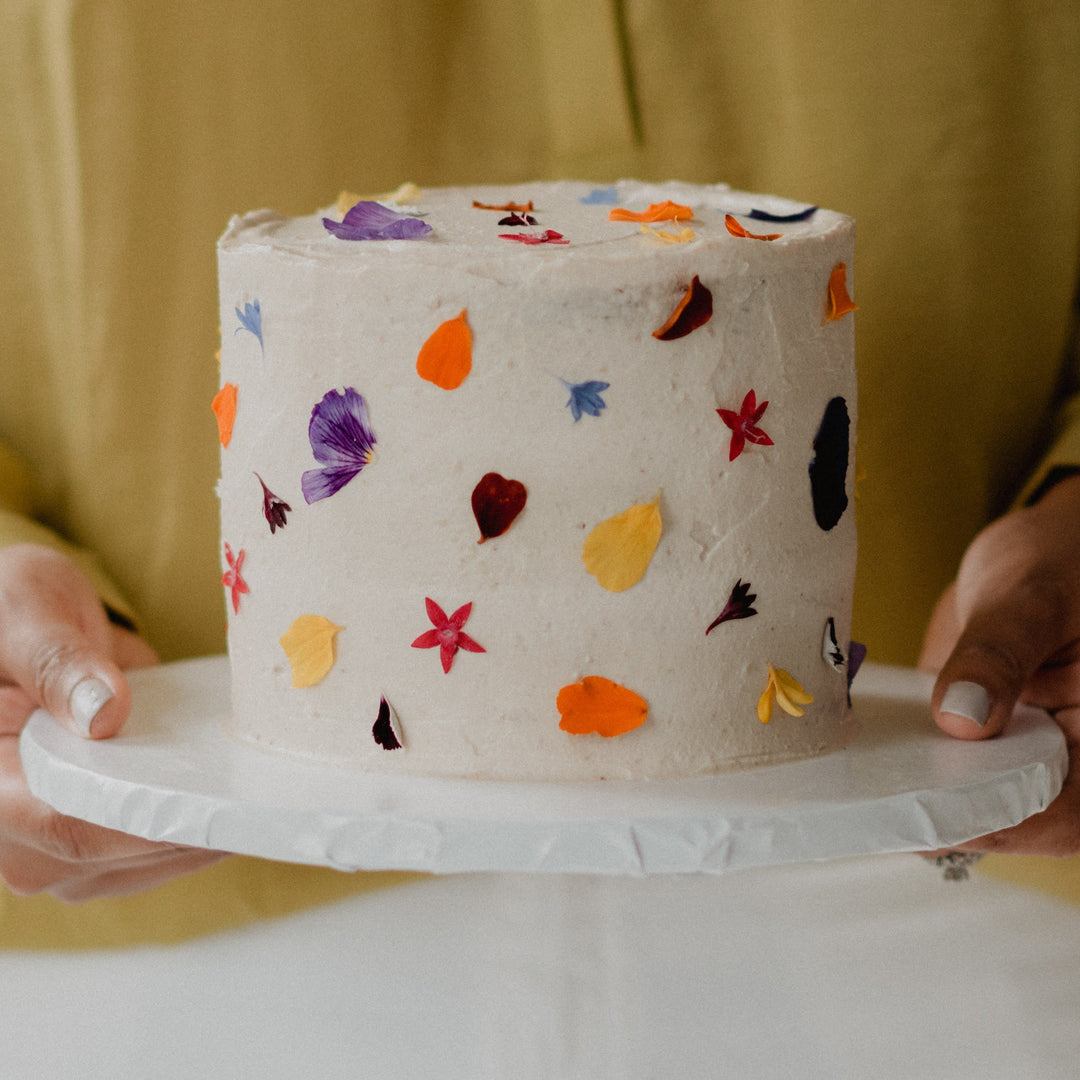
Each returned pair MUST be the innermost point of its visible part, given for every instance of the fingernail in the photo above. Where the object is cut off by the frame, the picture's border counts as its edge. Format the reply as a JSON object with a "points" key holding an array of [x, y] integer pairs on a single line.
{"points": [[969, 700], [86, 702]]}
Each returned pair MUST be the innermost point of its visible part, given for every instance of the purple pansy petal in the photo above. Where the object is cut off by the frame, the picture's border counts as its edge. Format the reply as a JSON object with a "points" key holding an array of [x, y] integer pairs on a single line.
{"points": [[373, 221], [341, 438]]}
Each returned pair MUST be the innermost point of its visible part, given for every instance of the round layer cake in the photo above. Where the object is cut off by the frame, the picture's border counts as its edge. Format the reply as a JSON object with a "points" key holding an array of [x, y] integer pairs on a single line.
{"points": [[550, 482]]}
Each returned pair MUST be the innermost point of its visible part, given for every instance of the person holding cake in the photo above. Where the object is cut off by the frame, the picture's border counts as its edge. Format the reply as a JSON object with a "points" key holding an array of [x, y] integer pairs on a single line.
{"points": [[956, 152]]}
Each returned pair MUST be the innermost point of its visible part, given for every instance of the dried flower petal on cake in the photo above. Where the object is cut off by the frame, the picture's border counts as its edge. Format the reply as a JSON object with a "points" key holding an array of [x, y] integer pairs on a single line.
{"points": [[829, 465], [786, 691], [517, 208], [548, 236], [496, 502], [448, 635], [783, 219], [446, 357], [831, 652], [402, 194], [856, 654], [838, 303], [341, 438], [736, 229], [385, 730], [233, 578], [373, 221], [601, 196], [250, 320], [598, 706], [618, 551], [665, 211], [585, 398], [309, 648], [683, 236], [224, 406], [744, 425], [274, 509], [518, 219], [693, 310], [738, 606]]}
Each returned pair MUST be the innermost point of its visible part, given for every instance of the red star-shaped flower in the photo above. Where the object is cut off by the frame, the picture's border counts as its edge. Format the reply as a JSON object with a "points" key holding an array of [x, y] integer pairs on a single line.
{"points": [[447, 635], [744, 425], [232, 579]]}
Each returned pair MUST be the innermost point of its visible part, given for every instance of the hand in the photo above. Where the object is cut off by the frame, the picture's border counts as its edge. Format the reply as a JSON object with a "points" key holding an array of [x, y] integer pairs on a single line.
{"points": [[59, 650], [1008, 630]]}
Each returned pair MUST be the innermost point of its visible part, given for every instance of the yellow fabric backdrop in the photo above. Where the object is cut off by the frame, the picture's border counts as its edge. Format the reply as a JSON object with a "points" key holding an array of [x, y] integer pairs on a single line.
{"points": [[130, 132]]}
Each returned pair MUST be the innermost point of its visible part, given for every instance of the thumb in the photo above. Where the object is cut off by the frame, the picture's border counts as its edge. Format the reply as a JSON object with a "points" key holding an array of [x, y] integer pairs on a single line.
{"points": [[1002, 643], [55, 643]]}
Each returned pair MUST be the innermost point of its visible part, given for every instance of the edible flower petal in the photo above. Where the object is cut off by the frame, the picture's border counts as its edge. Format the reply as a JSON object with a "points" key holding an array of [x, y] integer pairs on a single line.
{"points": [[683, 236], [385, 729], [224, 406], [250, 320], [372, 221], [744, 425], [693, 310], [601, 196], [518, 208], [838, 302], [599, 706], [496, 502], [585, 398], [548, 236], [341, 438], [787, 692], [448, 635], [274, 509], [446, 357], [233, 579], [781, 219], [665, 211], [736, 229], [738, 606], [618, 551], [309, 648]]}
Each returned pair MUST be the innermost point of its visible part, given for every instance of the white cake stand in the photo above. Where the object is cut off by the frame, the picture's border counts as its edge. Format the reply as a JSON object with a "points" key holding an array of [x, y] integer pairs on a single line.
{"points": [[173, 774]]}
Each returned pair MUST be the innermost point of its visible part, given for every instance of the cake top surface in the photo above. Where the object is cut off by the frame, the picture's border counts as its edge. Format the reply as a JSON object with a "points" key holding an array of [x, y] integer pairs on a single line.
{"points": [[562, 220]]}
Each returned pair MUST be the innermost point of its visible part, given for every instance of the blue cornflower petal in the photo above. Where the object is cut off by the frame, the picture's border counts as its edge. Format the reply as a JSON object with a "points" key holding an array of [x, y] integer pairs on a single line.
{"points": [[251, 320], [585, 398]]}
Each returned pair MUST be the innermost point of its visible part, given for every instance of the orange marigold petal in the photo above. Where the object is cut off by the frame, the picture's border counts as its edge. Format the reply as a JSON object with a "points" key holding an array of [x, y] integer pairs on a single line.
{"points": [[446, 357], [224, 406], [599, 706], [511, 207], [736, 229], [665, 211], [839, 301]]}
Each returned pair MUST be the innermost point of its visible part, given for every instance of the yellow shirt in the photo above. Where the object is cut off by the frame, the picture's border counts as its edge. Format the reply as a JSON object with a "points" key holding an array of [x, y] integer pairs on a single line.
{"points": [[130, 132]]}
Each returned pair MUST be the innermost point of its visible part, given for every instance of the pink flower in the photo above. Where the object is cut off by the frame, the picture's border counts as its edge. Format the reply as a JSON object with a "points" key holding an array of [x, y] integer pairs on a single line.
{"points": [[744, 425], [232, 579], [447, 635]]}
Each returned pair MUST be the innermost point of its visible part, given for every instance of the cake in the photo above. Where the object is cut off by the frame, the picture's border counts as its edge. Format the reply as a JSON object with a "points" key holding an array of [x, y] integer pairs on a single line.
{"points": [[543, 482]]}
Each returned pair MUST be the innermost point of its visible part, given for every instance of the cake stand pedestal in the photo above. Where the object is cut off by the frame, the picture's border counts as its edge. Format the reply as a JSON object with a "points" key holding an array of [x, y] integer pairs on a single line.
{"points": [[173, 774]]}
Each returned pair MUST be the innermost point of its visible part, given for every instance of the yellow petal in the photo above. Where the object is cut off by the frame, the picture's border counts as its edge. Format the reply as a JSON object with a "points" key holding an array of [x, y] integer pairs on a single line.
{"points": [[309, 646], [618, 551], [684, 236], [789, 693], [764, 703]]}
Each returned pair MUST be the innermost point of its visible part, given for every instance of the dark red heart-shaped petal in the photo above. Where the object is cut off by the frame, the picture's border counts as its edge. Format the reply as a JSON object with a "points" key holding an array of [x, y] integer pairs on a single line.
{"points": [[496, 501]]}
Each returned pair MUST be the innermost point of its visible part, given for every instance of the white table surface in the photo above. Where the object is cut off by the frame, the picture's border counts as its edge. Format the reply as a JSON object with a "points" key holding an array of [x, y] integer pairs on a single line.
{"points": [[871, 968]]}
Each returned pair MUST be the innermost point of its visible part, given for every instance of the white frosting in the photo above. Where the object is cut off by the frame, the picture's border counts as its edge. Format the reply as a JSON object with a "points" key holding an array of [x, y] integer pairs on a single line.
{"points": [[337, 314]]}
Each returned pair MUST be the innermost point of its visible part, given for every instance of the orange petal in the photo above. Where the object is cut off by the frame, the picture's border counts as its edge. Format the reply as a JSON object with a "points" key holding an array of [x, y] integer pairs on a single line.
{"points": [[598, 706], [665, 211], [518, 208], [224, 406], [692, 311], [839, 302], [736, 229], [446, 357]]}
